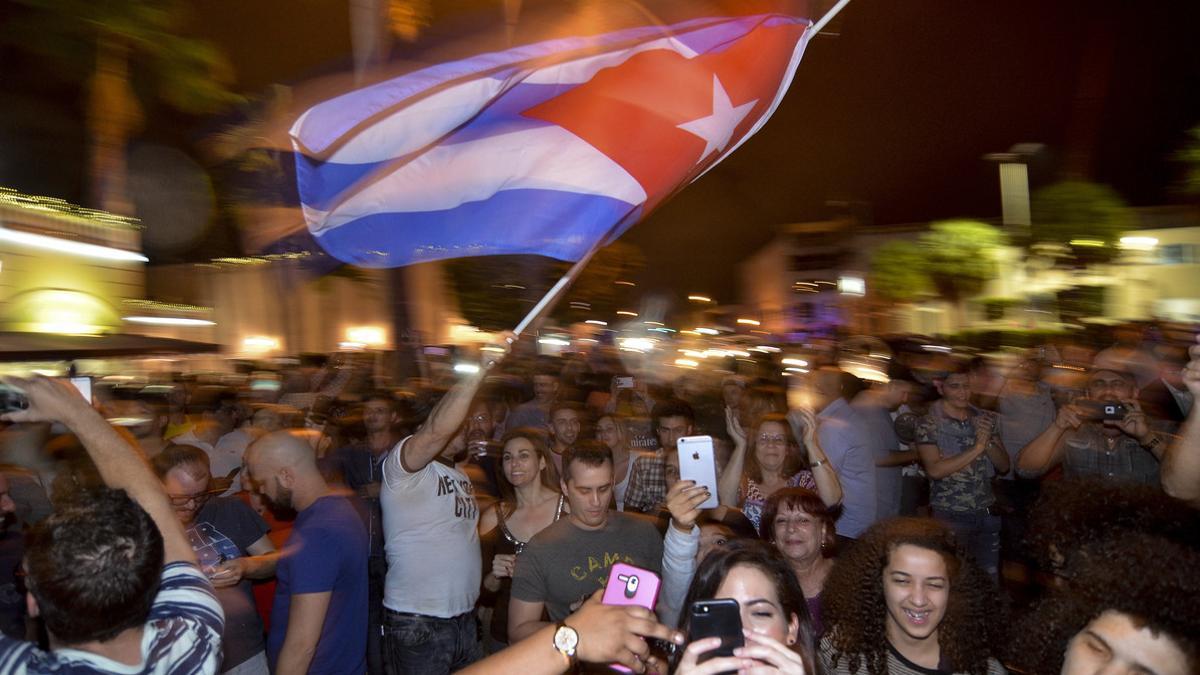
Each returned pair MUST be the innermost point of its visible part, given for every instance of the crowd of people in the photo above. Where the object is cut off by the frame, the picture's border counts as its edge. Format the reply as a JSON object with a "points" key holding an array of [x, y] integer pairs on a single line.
{"points": [[1032, 512]]}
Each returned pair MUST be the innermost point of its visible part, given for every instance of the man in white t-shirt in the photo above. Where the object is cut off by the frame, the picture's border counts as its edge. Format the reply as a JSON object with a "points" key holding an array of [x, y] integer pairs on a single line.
{"points": [[429, 522]]}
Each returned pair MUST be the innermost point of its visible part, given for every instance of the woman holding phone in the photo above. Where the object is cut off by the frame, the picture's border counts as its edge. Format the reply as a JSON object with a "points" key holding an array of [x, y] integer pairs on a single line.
{"points": [[530, 501], [775, 631], [771, 460], [906, 600]]}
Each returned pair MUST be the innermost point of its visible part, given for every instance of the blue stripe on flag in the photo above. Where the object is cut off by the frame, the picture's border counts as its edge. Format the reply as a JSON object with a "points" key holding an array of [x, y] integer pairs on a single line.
{"points": [[552, 223]]}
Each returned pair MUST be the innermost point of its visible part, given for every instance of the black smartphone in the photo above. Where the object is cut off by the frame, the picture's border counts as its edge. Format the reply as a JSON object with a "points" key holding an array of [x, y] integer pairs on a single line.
{"points": [[1103, 410], [716, 618]]}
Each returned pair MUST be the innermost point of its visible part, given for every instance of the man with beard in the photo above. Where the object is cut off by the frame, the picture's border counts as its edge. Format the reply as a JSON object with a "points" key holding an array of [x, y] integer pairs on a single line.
{"points": [[566, 421], [319, 617], [430, 518], [1088, 443], [232, 546]]}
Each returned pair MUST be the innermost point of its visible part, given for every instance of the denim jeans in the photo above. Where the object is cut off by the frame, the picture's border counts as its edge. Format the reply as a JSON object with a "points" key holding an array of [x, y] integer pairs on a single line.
{"points": [[426, 644], [979, 533], [376, 574]]}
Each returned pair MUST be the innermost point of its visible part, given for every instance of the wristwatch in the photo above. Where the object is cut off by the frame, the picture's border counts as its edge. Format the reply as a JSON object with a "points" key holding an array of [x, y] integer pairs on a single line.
{"points": [[1153, 443], [566, 641]]}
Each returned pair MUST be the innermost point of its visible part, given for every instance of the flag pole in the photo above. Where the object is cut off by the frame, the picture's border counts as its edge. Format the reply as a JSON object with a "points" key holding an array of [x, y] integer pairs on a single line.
{"points": [[558, 288], [824, 20]]}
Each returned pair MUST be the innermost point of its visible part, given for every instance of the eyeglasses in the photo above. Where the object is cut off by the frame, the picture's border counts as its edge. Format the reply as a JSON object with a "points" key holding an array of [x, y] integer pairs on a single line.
{"points": [[198, 500], [768, 439]]}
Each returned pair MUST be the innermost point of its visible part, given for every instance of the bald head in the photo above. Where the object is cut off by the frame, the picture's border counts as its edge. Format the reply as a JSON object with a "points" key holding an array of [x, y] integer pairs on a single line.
{"points": [[283, 467], [283, 448]]}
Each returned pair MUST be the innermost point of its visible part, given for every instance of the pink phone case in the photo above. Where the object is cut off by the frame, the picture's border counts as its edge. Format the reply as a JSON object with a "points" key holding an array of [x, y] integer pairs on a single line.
{"points": [[629, 585]]}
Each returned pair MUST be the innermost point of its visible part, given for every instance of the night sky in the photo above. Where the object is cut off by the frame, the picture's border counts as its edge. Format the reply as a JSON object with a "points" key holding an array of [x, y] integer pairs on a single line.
{"points": [[893, 114]]}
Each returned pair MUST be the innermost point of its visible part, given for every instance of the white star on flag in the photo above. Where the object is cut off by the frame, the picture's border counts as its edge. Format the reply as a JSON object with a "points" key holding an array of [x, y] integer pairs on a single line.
{"points": [[717, 128]]}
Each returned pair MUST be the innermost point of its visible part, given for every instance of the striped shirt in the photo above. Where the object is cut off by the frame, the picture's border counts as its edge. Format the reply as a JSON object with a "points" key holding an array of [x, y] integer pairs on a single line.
{"points": [[182, 636]]}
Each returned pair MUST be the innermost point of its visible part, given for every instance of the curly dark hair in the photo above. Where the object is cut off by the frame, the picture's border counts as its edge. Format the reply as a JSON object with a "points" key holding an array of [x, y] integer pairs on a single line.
{"points": [[1148, 578], [855, 610], [94, 566], [1071, 514]]}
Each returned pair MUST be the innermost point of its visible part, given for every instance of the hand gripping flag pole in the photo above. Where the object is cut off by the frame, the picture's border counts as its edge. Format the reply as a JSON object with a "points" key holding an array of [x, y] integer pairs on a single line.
{"points": [[560, 287]]}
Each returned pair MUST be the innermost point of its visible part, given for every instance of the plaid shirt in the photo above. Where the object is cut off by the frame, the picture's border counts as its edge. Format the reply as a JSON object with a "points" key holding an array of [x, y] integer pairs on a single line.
{"points": [[647, 484], [1087, 454]]}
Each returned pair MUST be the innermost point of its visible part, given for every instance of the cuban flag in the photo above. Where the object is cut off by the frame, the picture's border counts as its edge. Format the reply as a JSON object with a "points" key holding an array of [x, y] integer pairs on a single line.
{"points": [[548, 148]]}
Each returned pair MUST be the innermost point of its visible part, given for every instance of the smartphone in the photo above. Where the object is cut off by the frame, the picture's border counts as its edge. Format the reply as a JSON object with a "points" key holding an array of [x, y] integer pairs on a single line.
{"points": [[629, 585], [1102, 410], [716, 618], [624, 382], [697, 462], [84, 385]]}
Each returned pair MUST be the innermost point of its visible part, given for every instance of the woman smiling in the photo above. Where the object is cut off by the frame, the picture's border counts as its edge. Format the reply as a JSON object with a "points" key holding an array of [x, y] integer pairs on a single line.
{"points": [[906, 600]]}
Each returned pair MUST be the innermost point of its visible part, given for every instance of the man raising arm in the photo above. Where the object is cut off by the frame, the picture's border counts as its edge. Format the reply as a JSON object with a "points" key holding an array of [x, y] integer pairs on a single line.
{"points": [[114, 579]]}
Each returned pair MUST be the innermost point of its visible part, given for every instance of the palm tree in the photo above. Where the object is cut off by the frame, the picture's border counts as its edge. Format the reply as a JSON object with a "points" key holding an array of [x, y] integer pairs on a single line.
{"points": [[101, 43]]}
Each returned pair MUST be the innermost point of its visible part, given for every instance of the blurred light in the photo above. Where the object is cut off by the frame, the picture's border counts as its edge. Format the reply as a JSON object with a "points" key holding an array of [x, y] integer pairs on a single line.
{"points": [[707, 331], [661, 329], [596, 322], [1138, 243], [625, 312], [351, 346], [688, 332], [1088, 242], [749, 322], [466, 368], [692, 353], [794, 362], [941, 349], [699, 298], [624, 283], [738, 353], [168, 321], [491, 348], [368, 335], [591, 340], [558, 342], [686, 363], [70, 247], [260, 343], [852, 286], [653, 323], [761, 332], [795, 370], [865, 372], [716, 353], [637, 344], [768, 348]]}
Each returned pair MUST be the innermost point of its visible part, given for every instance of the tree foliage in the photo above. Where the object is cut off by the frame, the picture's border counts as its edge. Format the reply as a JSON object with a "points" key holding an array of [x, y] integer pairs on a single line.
{"points": [[898, 272], [1074, 210], [960, 256], [495, 292]]}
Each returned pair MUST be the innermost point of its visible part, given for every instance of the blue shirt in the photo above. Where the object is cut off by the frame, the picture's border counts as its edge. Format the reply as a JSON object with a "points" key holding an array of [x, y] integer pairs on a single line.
{"points": [[844, 440], [327, 551]]}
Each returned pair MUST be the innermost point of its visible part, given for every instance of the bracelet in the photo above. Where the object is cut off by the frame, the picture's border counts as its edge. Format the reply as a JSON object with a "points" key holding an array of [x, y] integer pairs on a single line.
{"points": [[815, 464], [1155, 441]]}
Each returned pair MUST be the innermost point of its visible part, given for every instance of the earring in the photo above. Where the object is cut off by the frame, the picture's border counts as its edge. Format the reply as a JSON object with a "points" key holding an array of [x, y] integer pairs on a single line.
{"points": [[791, 641]]}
